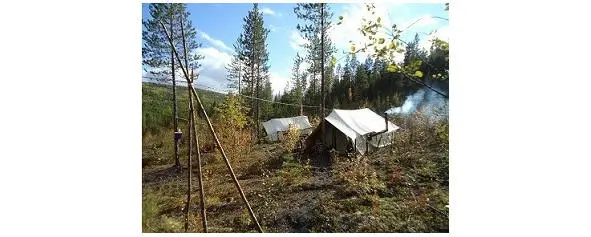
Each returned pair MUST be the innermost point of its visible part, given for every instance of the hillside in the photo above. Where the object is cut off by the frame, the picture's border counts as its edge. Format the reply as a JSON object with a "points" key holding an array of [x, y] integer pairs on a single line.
{"points": [[157, 105], [402, 188]]}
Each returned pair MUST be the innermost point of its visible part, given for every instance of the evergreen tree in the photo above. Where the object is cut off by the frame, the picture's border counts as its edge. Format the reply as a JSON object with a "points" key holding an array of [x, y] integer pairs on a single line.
{"points": [[253, 52], [157, 52], [236, 69], [361, 86], [318, 21], [298, 81]]}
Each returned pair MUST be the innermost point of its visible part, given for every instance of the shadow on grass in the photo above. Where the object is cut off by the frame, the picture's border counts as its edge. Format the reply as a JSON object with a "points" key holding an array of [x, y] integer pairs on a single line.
{"points": [[158, 175]]}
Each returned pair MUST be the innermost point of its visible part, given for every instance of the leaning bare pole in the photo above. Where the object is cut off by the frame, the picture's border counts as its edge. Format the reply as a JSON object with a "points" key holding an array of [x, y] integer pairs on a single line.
{"points": [[177, 136], [219, 145], [188, 204], [186, 74], [196, 139], [194, 130], [322, 69]]}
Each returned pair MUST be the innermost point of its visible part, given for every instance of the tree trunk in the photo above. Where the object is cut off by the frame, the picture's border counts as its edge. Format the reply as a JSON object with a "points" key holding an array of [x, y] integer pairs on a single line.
{"points": [[322, 65], [258, 94], [253, 110], [177, 162]]}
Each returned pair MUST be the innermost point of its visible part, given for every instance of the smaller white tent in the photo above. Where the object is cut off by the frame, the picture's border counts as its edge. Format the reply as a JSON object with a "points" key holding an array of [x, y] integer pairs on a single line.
{"points": [[275, 127], [358, 124]]}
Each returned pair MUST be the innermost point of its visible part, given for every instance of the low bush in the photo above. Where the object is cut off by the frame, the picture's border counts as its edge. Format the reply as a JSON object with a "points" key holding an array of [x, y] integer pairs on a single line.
{"points": [[357, 178], [291, 138], [153, 217]]}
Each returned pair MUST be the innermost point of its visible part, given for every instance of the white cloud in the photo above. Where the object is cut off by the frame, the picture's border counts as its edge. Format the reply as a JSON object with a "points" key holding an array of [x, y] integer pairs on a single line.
{"points": [[213, 72], [215, 42], [278, 82], [269, 11], [441, 33], [422, 21], [296, 41], [352, 20]]}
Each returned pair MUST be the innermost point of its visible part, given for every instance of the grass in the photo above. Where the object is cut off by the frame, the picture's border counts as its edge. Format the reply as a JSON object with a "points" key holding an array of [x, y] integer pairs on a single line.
{"points": [[401, 188], [157, 126]]}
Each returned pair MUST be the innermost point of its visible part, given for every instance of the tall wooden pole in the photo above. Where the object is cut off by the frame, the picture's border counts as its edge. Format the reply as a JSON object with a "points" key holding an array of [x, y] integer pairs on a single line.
{"points": [[176, 134], [322, 67], [185, 72], [188, 204], [196, 140], [226, 160]]}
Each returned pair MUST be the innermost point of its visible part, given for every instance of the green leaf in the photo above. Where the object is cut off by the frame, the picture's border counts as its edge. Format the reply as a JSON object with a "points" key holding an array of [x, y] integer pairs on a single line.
{"points": [[338, 23], [392, 44], [333, 61], [381, 41], [379, 19], [340, 18], [392, 68], [419, 74]]}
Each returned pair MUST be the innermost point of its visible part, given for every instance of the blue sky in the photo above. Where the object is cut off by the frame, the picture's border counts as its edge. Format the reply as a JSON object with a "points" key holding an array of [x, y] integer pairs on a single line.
{"points": [[218, 26]]}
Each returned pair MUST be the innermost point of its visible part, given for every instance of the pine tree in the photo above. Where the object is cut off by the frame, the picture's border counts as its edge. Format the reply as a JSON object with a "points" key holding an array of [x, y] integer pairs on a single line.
{"points": [[253, 52], [157, 53], [361, 86], [318, 18], [236, 69], [298, 82], [413, 53]]}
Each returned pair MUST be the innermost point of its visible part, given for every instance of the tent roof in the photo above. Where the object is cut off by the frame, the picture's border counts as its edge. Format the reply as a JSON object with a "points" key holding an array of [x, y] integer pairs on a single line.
{"points": [[355, 123], [282, 124]]}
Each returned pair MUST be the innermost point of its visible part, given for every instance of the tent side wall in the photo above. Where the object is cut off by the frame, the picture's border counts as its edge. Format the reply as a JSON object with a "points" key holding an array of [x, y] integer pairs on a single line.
{"points": [[275, 128], [341, 142], [335, 138]]}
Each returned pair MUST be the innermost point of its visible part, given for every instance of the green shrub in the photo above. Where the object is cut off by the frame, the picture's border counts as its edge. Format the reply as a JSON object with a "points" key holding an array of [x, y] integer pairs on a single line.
{"points": [[153, 220], [357, 178], [291, 138]]}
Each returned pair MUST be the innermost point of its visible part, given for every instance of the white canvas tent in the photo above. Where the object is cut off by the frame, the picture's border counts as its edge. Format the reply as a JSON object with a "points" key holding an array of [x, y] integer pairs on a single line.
{"points": [[275, 127], [356, 125]]}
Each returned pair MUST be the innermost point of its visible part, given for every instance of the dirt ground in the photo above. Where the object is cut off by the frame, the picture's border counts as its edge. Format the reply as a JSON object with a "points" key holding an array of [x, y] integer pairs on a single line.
{"points": [[288, 194]]}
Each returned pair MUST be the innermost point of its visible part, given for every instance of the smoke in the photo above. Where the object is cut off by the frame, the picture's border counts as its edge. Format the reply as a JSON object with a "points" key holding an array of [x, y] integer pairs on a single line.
{"points": [[431, 104]]}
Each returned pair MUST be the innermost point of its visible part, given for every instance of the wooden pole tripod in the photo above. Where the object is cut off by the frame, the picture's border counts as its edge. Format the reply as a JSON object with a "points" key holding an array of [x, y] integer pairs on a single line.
{"points": [[193, 128]]}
